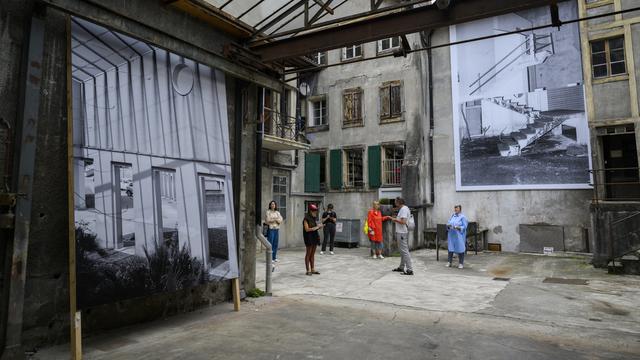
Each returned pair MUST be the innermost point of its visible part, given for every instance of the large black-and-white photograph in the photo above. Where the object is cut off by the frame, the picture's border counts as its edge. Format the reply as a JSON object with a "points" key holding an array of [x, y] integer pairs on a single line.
{"points": [[152, 171], [518, 103]]}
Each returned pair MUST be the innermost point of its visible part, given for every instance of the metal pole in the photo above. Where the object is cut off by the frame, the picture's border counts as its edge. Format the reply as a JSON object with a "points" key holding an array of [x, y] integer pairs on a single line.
{"points": [[269, 253], [30, 119]]}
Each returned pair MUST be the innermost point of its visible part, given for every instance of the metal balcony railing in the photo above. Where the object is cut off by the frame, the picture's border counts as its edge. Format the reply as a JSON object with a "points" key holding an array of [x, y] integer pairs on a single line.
{"points": [[616, 184], [282, 126]]}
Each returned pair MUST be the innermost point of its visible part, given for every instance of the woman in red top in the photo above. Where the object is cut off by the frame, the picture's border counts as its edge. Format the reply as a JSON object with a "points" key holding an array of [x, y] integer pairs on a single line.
{"points": [[374, 220]]}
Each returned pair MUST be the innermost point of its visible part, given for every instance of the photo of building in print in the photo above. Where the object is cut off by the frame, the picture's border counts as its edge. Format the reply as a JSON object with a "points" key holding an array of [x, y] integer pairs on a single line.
{"points": [[152, 176], [519, 108]]}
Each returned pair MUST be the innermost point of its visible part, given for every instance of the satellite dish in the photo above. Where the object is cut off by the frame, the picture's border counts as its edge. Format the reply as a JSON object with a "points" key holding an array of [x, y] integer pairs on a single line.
{"points": [[304, 89]]}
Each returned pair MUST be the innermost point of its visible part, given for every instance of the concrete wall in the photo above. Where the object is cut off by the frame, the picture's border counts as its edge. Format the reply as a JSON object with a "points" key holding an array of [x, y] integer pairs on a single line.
{"points": [[499, 211]]}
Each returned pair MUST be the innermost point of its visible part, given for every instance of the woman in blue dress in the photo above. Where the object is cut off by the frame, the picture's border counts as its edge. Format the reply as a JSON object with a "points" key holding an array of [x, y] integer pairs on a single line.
{"points": [[457, 236]]}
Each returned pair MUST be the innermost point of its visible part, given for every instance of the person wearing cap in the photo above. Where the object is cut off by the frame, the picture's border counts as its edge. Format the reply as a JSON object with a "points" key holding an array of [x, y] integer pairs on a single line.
{"points": [[311, 238]]}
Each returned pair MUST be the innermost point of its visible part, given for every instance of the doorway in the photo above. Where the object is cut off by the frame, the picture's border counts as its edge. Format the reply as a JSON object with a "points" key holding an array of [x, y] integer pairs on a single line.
{"points": [[621, 166]]}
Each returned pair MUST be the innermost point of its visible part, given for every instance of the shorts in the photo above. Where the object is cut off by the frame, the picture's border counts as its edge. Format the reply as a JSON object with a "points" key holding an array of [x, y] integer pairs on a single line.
{"points": [[312, 241], [377, 245]]}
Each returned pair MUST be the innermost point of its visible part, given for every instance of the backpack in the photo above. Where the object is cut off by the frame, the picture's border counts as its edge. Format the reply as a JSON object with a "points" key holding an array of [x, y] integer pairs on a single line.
{"points": [[365, 228], [411, 223]]}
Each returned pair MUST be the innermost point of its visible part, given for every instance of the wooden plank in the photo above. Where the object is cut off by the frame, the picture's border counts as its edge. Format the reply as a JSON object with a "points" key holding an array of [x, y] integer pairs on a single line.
{"points": [[75, 316], [235, 288]]}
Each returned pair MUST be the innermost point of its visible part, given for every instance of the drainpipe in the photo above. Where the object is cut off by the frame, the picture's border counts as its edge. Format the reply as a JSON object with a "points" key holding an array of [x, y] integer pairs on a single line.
{"points": [[258, 207], [427, 43]]}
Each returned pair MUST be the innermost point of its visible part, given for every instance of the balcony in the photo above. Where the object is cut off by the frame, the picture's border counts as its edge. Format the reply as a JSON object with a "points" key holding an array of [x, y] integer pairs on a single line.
{"points": [[281, 133]]}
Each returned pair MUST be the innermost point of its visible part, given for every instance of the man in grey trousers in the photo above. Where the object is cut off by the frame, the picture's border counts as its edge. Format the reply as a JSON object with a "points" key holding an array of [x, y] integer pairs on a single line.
{"points": [[402, 236]]}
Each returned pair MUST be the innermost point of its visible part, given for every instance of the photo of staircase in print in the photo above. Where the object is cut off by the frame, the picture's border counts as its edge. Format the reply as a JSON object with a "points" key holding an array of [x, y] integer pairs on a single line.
{"points": [[518, 101]]}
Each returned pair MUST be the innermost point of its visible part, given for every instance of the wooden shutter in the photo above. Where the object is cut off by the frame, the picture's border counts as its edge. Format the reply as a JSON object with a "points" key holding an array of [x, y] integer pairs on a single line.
{"points": [[336, 169], [384, 102], [375, 166], [357, 106], [395, 100], [312, 173]]}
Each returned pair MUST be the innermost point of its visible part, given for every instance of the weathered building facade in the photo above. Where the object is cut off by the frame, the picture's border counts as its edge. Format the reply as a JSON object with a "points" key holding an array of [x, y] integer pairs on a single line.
{"points": [[611, 47], [403, 123]]}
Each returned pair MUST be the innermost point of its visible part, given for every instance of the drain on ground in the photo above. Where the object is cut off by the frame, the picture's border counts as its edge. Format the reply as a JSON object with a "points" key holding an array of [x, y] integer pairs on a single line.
{"points": [[565, 281], [501, 279]]}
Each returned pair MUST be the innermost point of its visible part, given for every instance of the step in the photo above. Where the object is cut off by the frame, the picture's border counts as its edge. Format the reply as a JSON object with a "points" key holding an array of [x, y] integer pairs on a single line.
{"points": [[528, 131], [518, 135], [537, 124]]}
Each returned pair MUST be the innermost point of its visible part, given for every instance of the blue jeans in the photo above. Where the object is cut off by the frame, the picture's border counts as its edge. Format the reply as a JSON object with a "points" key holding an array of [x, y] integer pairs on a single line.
{"points": [[272, 236], [460, 257]]}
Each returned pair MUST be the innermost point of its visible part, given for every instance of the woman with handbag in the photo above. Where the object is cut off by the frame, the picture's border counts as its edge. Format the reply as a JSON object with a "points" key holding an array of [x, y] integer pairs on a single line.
{"points": [[374, 229], [273, 219]]}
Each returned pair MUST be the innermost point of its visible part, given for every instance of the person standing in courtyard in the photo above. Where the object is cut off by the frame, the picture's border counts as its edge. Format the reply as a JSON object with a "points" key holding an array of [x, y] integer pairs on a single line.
{"points": [[457, 236], [329, 219], [402, 236], [374, 220], [311, 238], [274, 219]]}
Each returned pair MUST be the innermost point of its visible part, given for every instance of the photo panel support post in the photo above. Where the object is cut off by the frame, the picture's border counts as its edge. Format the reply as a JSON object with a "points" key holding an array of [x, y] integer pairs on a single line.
{"points": [[75, 324]]}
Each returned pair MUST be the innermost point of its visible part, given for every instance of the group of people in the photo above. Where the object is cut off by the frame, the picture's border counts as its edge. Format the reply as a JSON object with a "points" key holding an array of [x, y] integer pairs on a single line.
{"points": [[456, 233]]}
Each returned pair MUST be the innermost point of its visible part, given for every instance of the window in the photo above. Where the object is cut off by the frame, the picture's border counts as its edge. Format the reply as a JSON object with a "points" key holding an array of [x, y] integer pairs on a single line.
{"points": [[216, 221], [393, 156], [318, 112], [164, 188], [390, 100], [388, 44], [280, 194], [607, 57], [125, 215], [352, 107], [351, 52], [320, 58], [323, 171], [353, 168]]}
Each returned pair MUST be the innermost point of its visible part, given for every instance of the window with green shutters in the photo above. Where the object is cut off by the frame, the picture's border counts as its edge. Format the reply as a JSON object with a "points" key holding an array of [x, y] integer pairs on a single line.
{"points": [[312, 173], [375, 163], [335, 161]]}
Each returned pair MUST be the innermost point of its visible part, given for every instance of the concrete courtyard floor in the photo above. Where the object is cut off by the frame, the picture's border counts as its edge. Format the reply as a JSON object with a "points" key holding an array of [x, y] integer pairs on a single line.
{"points": [[498, 307]]}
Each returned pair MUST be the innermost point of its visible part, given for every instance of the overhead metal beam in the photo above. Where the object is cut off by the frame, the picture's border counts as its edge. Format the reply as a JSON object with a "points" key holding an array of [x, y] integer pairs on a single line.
{"points": [[396, 24], [319, 13], [279, 18]]}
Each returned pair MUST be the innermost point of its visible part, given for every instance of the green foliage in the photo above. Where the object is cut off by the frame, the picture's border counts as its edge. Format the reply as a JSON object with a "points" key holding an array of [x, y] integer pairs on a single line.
{"points": [[106, 275], [255, 293]]}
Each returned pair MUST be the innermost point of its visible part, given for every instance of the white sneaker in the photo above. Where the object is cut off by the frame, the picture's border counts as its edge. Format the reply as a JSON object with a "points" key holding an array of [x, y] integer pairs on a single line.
{"points": [[332, 253], [448, 264], [277, 260], [374, 256], [321, 252], [460, 266], [380, 256]]}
